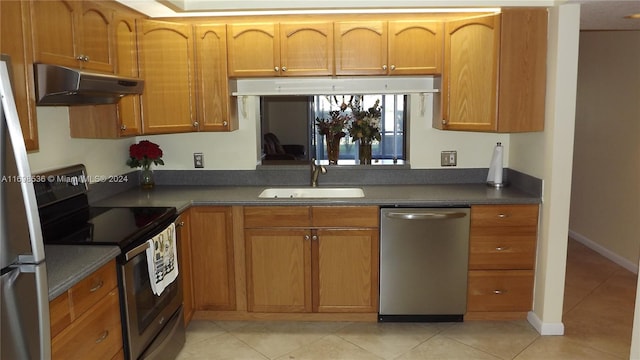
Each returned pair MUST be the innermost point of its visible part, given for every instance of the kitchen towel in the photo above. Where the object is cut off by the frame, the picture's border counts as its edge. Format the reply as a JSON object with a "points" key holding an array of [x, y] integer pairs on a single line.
{"points": [[494, 178], [162, 259]]}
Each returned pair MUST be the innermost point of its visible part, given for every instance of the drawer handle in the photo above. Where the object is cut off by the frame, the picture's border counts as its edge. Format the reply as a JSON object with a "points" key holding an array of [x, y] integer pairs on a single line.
{"points": [[501, 248], [96, 286], [499, 292], [102, 337], [503, 216]]}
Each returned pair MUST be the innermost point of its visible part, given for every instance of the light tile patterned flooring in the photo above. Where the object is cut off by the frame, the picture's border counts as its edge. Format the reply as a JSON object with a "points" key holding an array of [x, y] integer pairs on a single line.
{"points": [[598, 315]]}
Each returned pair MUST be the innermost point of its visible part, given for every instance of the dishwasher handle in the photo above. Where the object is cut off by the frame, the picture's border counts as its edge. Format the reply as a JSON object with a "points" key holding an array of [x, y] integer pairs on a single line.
{"points": [[424, 215]]}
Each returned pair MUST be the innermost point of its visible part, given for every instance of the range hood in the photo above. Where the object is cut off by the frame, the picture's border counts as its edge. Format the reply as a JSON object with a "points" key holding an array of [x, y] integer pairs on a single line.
{"points": [[63, 86]]}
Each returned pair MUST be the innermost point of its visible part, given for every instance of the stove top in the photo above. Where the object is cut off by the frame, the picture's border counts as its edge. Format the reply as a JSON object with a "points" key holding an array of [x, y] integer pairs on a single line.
{"points": [[119, 226]]}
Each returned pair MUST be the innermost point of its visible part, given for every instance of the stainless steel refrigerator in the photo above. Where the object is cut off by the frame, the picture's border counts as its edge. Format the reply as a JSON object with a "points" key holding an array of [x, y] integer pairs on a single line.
{"points": [[24, 300]]}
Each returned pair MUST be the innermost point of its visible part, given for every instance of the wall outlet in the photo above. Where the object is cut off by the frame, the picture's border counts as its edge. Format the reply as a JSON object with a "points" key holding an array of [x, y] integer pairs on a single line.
{"points": [[449, 158], [198, 160]]}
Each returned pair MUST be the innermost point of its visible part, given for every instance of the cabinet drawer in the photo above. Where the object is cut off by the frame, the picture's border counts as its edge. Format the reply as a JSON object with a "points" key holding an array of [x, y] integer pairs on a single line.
{"points": [[276, 216], [92, 288], [500, 290], [95, 335], [59, 314], [502, 252], [504, 215], [345, 216]]}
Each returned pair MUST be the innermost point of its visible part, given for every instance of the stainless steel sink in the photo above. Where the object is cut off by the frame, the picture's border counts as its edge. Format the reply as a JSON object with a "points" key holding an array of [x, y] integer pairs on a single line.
{"points": [[311, 192]]}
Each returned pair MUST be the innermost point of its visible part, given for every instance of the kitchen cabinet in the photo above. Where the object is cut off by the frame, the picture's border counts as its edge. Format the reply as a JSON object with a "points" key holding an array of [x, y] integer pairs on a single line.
{"points": [[312, 259], [216, 109], [412, 47], [15, 41], [76, 34], [212, 258], [502, 248], [495, 72], [165, 52], [280, 49], [85, 320], [185, 265], [115, 120]]}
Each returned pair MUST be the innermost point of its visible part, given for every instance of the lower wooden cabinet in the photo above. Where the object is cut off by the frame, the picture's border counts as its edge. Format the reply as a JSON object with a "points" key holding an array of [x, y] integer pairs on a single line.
{"points": [[502, 248], [184, 236], [212, 258], [305, 259], [85, 320]]}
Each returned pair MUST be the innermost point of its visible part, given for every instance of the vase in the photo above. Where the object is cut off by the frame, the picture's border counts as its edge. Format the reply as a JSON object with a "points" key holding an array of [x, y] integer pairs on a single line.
{"points": [[333, 147], [364, 153], [146, 178]]}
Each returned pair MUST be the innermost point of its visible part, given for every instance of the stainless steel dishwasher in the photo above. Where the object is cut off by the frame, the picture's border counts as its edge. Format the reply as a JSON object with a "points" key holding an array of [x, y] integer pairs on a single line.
{"points": [[424, 255]]}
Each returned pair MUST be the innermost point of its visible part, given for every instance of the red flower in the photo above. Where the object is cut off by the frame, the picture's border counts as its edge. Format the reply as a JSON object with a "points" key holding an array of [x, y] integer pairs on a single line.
{"points": [[144, 154]]}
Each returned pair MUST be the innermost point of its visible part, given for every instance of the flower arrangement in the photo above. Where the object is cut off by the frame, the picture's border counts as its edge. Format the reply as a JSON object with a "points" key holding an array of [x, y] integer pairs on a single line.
{"points": [[365, 125], [143, 154]]}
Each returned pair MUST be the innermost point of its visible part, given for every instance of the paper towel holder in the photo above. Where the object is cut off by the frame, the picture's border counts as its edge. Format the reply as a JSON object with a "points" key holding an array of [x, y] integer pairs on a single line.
{"points": [[494, 178]]}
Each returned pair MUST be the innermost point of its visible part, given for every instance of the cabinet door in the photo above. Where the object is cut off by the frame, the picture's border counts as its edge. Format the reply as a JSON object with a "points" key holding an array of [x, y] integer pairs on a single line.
{"points": [[253, 49], [415, 47], [345, 271], [278, 270], [168, 101], [129, 116], [96, 46], [213, 84], [186, 262], [212, 262], [469, 80], [361, 48], [55, 31], [15, 28], [306, 48]]}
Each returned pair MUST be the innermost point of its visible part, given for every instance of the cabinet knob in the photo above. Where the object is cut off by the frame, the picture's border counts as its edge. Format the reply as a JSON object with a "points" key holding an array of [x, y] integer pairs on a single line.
{"points": [[384, 67], [85, 58], [196, 124], [225, 123], [180, 224], [276, 69], [97, 286], [123, 127], [314, 237], [80, 57], [393, 67], [499, 292], [444, 121], [102, 337], [284, 68], [503, 216], [307, 237], [501, 248]]}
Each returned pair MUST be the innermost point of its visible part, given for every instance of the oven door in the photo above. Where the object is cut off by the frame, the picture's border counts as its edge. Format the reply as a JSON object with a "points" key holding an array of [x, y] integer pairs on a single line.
{"points": [[146, 315]]}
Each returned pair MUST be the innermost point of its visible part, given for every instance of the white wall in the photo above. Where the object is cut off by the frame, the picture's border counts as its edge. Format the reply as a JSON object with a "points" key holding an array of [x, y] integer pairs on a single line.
{"points": [[58, 149], [605, 200]]}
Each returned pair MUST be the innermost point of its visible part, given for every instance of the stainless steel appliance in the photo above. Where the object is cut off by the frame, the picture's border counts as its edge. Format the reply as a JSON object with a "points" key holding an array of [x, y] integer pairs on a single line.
{"points": [[152, 325], [424, 256], [24, 294]]}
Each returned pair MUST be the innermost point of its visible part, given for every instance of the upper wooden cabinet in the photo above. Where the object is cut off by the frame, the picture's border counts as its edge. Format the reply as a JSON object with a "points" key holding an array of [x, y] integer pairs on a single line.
{"points": [[15, 40], [388, 48], [216, 109], [495, 72], [129, 115], [166, 65], [73, 33], [280, 49]]}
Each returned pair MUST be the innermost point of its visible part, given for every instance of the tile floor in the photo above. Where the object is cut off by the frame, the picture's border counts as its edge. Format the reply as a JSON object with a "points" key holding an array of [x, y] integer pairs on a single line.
{"points": [[598, 315]]}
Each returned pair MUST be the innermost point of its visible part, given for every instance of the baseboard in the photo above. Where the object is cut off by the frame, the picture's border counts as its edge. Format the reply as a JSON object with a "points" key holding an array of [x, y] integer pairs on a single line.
{"points": [[545, 328], [625, 263]]}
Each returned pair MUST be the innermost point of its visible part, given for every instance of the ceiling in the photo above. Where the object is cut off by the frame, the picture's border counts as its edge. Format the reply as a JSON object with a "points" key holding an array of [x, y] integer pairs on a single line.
{"points": [[595, 14]]}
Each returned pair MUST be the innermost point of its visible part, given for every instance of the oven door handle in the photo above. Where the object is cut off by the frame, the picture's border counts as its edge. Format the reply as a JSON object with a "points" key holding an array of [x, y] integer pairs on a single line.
{"points": [[136, 251]]}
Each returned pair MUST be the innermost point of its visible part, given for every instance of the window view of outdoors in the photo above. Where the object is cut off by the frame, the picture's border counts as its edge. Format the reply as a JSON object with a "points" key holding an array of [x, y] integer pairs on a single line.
{"points": [[337, 112]]}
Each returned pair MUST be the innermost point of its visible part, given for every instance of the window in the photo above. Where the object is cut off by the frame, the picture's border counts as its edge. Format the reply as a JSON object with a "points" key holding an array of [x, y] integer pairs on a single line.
{"points": [[392, 126], [291, 121]]}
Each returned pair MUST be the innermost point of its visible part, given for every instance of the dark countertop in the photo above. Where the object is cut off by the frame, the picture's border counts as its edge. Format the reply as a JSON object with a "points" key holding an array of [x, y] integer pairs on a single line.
{"points": [[384, 195], [69, 264]]}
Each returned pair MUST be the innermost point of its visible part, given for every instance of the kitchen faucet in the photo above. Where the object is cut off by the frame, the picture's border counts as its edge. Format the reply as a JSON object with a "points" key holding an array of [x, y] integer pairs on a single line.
{"points": [[315, 172]]}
